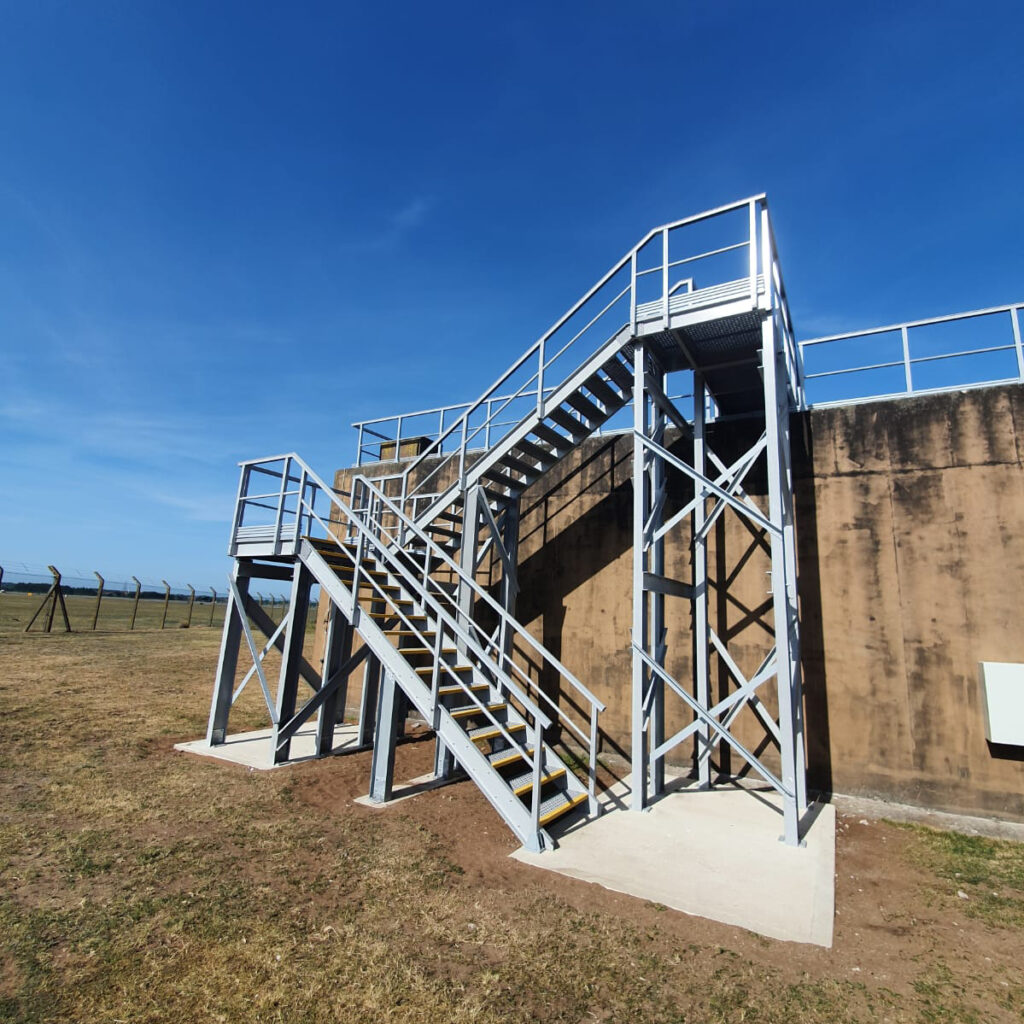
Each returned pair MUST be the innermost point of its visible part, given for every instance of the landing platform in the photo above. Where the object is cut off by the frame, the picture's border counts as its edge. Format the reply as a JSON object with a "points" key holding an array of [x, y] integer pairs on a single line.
{"points": [[711, 854], [252, 749]]}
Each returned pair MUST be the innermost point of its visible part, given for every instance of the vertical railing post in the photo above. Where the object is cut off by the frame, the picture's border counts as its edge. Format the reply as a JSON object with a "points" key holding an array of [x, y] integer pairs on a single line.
{"points": [[359, 449], [752, 252], [243, 490], [664, 277], [538, 761], [285, 473], [632, 292], [135, 606], [167, 601], [905, 338], [541, 348], [213, 604], [1015, 321], [487, 427], [99, 598], [298, 508], [592, 773], [462, 451], [398, 440]]}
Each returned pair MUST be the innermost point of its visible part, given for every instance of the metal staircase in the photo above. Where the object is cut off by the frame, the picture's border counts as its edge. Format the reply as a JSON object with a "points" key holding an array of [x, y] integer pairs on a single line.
{"points": [[488, 713], [399, 557]]}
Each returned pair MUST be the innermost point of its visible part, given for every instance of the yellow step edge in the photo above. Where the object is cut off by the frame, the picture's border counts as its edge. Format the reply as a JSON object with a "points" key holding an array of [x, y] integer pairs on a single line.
{"points": [[426, 650], [425, 670], [492, 733], [470, 712], [444, 691], [527, 786], [513, 755], [564, 809]]}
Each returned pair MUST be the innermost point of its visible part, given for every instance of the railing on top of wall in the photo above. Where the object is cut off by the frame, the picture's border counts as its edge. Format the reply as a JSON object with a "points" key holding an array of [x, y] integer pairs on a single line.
{"points": [[941, 353]]}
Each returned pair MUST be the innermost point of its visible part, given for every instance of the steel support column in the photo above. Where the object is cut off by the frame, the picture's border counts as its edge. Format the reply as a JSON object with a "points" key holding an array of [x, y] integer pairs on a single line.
{"points": [[227, 662], [783, 554], [701, 661], [291, 655], [382, 767], [337, 650], [639, 632]]}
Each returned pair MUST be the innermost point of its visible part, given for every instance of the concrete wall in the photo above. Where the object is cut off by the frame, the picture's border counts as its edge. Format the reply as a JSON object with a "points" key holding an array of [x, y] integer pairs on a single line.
{"points": [[911, 560]]}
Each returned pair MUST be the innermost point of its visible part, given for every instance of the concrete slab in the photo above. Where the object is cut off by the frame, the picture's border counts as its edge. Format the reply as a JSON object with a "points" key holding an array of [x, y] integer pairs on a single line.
{"points": [[712, 854], [252, 749]]}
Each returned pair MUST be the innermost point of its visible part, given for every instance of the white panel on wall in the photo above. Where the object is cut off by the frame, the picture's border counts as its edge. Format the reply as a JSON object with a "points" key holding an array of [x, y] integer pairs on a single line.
{"points": [[1002, 688]]}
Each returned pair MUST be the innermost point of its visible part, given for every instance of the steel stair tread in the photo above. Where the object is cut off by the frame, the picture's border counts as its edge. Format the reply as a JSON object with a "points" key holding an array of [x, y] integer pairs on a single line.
{"points": [[603, 392], [592, 413], [557, 805], [472, 709], [545, 456], [621, 374], [523, 782], [568, 422], [488, 732], [558, 441], [448, 691]]}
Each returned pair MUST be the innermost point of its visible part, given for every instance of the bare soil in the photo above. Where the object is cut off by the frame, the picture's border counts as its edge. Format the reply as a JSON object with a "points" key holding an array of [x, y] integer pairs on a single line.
{"points": [[140, 884]]}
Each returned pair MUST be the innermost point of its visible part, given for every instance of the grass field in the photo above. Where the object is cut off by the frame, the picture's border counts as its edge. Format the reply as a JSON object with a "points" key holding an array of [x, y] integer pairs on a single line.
{"points": [[139, 884]]}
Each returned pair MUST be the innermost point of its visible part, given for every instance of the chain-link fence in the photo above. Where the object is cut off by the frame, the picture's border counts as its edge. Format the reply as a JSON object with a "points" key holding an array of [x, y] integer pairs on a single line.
{"points": [[44, 599]]}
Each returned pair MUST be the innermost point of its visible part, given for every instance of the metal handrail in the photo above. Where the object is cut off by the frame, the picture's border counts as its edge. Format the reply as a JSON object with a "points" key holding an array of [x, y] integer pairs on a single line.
{"points": [[628, 261], [481, 594]]}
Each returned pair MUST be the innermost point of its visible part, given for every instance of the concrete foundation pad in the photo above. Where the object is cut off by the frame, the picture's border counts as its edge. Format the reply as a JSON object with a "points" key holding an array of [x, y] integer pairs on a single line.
{"points": [[712, 854], [252, 749]]}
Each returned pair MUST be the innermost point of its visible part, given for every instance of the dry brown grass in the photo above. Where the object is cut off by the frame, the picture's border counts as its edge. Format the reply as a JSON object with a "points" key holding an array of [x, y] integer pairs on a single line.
{"points": [[138, 884]]}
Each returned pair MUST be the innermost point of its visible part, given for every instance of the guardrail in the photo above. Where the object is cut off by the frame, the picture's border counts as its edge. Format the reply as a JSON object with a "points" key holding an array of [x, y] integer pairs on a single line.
{"points": [[916, 357]]}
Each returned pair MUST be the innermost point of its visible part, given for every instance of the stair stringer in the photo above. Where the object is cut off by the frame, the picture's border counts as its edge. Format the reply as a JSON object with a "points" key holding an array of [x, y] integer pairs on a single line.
{"points": [[473, 761]]}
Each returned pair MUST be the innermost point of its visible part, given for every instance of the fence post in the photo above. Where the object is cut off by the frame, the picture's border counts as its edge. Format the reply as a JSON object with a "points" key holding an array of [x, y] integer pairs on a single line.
{"points": [[213, 604], [191, 603], [167, 601], [99, 597], [135, 606]]}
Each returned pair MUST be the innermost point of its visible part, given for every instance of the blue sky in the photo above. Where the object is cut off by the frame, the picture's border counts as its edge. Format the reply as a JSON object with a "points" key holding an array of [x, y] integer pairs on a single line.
{"points": [[228, 229]]}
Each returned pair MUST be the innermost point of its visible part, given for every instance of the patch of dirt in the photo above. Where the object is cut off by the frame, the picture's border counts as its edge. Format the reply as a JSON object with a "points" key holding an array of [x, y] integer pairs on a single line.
{"points": [[885, 931]]}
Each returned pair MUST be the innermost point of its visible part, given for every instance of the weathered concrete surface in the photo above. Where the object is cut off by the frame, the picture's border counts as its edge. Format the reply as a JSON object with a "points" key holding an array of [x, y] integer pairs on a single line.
{"points": [[910, 562]]}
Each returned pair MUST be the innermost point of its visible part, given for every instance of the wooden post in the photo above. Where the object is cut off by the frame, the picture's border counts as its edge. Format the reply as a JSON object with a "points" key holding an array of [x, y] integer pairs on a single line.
{"points": [[191, 602], [167, 601], [213, 604], [99, 597], [135, 606]]}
